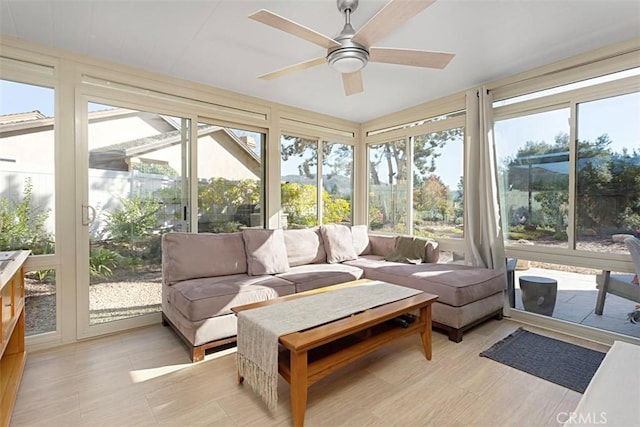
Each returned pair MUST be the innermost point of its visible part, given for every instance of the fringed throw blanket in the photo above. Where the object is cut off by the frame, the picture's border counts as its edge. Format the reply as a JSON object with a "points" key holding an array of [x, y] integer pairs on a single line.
{"points": [[259, 329]]}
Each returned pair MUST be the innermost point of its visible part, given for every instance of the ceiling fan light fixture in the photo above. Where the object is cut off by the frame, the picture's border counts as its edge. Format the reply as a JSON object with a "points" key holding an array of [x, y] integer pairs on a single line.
{"points": [[348, 59]]}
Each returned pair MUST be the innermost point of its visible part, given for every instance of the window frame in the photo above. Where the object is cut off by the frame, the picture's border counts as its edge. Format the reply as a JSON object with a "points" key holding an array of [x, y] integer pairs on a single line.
{"points": [[409, 134], [320, 139], [570, 255]]}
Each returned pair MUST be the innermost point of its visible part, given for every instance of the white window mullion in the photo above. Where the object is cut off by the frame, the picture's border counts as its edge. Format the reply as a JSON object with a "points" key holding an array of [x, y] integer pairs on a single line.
{"points": [[573, 153], [319, 183], [409, 206]]}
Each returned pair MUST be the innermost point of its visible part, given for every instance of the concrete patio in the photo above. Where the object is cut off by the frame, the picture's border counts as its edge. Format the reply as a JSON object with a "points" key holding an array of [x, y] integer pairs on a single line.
{"points": [[576, 301]]}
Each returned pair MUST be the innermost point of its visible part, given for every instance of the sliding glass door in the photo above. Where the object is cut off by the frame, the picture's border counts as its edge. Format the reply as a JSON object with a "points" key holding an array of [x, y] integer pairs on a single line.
{"points": [[135, 188]]}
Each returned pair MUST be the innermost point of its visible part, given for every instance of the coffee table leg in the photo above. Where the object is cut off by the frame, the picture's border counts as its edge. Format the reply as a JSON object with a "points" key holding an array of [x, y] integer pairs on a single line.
{"points": [[425, 334], [298, 387]]}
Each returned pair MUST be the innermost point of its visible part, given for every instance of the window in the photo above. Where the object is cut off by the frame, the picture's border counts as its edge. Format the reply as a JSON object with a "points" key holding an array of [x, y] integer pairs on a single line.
{"points": [[27, 168], [230, 179], [608, 170], [303, 174], [533, 163], [299, 183], [27, 192], [438, 182], [337, 182], [388, 186]]}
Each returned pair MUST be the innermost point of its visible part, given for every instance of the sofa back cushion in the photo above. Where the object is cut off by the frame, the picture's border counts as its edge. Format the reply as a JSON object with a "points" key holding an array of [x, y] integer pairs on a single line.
{"points": [[360, 238], [338, 243], [191, 256], [304, 246], [266, 252]]}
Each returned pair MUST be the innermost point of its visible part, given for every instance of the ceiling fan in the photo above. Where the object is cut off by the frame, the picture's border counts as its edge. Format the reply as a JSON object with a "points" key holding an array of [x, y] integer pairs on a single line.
{"points": [[351, 50]]}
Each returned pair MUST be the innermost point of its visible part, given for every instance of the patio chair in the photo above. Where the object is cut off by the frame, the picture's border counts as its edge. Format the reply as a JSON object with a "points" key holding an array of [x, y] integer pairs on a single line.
{"points": [[621, 285]]}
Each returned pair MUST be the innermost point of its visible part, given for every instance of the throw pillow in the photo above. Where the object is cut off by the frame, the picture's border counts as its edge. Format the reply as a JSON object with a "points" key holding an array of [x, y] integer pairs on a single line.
{"points": [[338, 243], [266, 252], [360, 237]]}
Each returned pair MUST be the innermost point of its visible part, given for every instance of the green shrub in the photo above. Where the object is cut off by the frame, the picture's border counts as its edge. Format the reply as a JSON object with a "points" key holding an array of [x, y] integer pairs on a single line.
{"points": [[102, 261], [136, 220], [23, 224]]}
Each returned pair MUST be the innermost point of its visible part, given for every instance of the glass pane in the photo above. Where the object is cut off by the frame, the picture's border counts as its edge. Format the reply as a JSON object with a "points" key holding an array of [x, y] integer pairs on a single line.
{"points": [[574, 298], [388, 186], [40, 302], [27, 168], [299, 191], [533, 161], [438, 182], [571, 86], [136, 193], [337, 183], [608, 175], [230, 179]]}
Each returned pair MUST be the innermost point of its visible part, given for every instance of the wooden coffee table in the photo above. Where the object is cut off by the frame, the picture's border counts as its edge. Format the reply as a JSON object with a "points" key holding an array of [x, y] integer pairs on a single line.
{"points": [[312, 354]]}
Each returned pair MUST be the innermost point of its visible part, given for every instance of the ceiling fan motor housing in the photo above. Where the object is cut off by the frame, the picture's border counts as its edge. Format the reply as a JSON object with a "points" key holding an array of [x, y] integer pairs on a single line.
{"points": [[350, 56]]}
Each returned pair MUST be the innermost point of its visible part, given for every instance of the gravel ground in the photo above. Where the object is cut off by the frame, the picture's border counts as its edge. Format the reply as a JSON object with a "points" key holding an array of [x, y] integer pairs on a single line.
{"points": [[125, 294]]}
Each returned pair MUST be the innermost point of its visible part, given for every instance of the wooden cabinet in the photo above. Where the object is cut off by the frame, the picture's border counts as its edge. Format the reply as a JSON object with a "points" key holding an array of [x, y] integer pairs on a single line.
{"points": [[13, 356]]}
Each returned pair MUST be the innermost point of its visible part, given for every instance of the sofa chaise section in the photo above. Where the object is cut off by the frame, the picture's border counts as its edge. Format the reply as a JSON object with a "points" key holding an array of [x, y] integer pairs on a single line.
{"points": [[467, 295]]}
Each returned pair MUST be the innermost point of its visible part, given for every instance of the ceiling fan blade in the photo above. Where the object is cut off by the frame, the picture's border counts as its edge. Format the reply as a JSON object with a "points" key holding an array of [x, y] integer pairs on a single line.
{"points": [[390, 17], [293, 68], [352, 83], [416, 58], [284, 24]]}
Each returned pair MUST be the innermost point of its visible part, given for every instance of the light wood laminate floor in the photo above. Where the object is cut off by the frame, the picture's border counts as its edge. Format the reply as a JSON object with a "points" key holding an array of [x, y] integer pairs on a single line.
{"points": [[143, 377]]}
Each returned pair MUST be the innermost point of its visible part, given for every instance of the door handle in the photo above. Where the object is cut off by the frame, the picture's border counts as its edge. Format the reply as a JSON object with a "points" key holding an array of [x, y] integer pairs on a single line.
{"points": [[88, 214]]}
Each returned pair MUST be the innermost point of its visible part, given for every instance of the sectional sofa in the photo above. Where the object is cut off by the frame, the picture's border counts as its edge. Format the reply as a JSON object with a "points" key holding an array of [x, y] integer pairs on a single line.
{"points": [[205, 275]]}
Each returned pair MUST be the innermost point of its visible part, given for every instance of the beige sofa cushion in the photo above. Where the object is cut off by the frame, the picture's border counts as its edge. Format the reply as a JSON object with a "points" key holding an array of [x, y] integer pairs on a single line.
{"points": [[360, 238], [304, 246], [189, 255], [199, 299], [312, 276], [455, 285], [266, 252], [338, 243]]}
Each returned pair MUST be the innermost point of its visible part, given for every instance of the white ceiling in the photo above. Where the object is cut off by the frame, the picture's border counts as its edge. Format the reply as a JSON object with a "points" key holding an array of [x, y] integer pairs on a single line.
{"points": [[213, 42]]}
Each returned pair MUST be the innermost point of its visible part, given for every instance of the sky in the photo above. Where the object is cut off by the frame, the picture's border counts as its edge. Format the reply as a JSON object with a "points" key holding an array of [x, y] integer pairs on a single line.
{"points": [[619, 117]]}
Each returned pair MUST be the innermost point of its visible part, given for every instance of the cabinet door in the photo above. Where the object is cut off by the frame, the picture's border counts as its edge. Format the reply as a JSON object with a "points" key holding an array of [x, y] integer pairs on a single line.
{"points": [[7, 311]]}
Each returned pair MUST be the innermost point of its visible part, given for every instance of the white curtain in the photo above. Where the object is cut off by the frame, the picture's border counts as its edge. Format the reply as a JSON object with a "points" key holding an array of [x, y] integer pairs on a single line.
{"points": [[482, 227]]}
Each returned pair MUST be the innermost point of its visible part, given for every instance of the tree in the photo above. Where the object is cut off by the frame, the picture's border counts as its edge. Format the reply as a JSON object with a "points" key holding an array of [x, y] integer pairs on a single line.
{"points": [[299, 202], [223, 196], [335, 209], [432, 197], [459, 198], [606, 182], [338, 157]]}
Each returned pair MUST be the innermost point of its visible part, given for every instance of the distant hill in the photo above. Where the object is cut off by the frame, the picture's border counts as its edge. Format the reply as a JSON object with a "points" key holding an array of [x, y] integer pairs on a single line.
{"points": [[342, 183]]}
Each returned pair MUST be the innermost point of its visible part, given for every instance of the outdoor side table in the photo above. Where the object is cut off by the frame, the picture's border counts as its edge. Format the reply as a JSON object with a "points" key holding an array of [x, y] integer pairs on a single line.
{"points": [[538, 294]]}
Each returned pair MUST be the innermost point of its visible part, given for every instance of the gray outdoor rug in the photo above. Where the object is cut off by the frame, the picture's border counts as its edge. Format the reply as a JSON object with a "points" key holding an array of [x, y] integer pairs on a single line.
{"points": [[560, 362]]}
